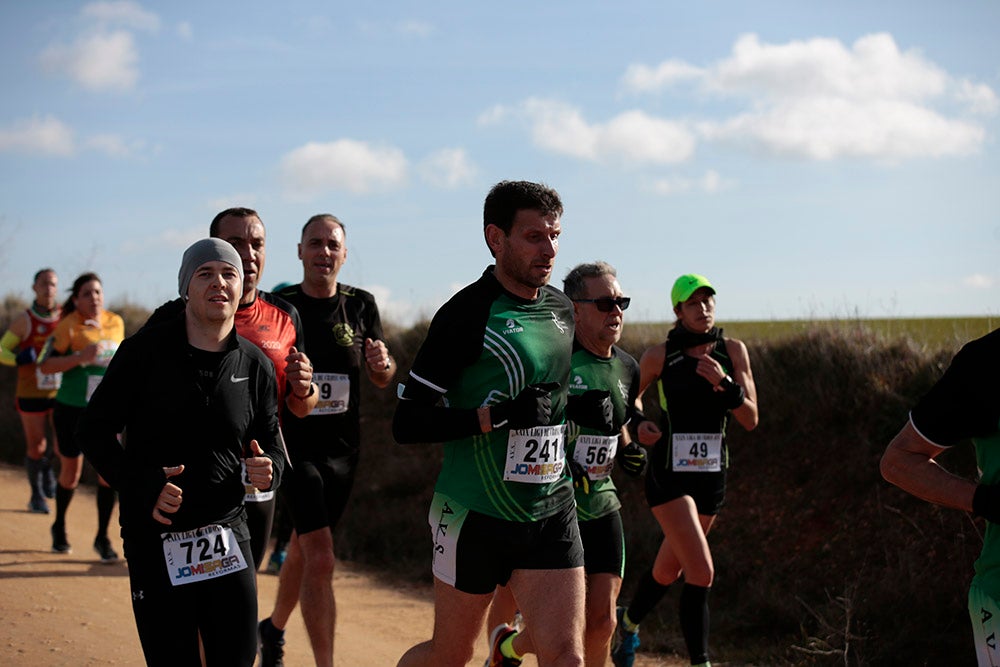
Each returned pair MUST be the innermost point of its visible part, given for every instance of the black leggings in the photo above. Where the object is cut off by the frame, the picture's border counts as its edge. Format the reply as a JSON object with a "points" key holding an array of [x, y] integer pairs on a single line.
{"points": [[169, 618]]}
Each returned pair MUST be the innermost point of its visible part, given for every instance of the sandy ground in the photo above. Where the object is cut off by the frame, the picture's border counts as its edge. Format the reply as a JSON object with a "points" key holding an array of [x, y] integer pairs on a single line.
{"points": [[72, 610]]}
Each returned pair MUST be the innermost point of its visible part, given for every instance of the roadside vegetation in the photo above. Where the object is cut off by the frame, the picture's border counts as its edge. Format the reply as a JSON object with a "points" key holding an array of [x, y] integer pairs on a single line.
{"points": [[818, 560]]}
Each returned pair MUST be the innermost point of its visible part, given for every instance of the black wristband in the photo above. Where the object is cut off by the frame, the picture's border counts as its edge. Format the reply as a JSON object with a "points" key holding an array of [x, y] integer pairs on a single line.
{"points": [[733, 394]]}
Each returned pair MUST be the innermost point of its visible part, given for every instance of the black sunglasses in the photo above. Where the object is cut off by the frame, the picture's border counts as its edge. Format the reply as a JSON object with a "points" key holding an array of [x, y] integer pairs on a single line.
{"points": [[606, 304]]}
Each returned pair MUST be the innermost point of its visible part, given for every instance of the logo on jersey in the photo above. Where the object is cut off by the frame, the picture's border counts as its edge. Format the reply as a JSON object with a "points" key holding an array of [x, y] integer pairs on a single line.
{"points": [[512, 328], [270, 345], [343, 334], [577, 383], [622, 389], [559, 323]]}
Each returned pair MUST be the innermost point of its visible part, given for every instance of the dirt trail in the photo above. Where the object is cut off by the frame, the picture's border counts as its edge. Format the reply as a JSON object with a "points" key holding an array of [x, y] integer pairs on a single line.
{"points": [[72, 610]]}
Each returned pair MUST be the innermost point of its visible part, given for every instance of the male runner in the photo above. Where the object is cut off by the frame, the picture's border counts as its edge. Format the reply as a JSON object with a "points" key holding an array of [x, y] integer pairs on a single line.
{"points": [[273, 325], [345, 336], [963, 405], [602, 392], [196, 407], [36, 391], [490, 381]]}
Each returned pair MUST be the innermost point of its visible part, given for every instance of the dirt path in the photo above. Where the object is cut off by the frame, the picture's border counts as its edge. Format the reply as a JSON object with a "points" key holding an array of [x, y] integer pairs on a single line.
{"points": [[72, 610]]}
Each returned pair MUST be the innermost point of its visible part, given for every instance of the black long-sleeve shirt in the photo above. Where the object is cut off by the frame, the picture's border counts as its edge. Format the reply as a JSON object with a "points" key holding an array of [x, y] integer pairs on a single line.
{"points": [[173, 405]]}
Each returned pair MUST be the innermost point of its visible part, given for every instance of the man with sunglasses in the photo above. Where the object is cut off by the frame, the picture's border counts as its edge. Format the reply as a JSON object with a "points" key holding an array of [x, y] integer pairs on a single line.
{"points": [[490, 382], [604, 384]]}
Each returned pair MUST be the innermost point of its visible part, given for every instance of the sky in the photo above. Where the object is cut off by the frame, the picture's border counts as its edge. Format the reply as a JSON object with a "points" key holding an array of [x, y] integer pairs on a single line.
{"points": [[812, 159]]}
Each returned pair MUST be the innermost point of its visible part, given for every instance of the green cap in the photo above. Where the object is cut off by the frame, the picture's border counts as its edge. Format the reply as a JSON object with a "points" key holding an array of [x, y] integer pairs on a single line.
{"points": [[687, 285]]}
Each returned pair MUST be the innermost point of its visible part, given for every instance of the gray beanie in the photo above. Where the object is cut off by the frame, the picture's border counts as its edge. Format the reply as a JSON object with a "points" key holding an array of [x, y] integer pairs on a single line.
{"points": [[207, 250]]}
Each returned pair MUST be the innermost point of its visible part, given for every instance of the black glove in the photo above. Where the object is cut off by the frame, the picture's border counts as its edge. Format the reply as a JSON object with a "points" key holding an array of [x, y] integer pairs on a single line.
{"points": [[633, 458], [532, 407], [592, 409], [986, 502], [580, 479], [26, 356]]}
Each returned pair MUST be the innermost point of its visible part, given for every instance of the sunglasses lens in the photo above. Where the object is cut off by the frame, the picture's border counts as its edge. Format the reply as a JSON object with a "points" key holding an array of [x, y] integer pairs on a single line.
{"points": [[606, 304]]}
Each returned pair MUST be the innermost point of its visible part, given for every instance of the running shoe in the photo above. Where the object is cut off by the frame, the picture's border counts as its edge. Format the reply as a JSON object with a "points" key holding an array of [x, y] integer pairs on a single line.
{"points": [[497, 637], [59, 543], [270, 645], [623, 644], [102, 545], [37, 505]]}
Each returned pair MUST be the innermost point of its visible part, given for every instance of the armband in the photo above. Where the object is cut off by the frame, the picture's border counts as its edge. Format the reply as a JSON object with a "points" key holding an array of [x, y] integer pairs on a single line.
{"points": [[733, 394]]}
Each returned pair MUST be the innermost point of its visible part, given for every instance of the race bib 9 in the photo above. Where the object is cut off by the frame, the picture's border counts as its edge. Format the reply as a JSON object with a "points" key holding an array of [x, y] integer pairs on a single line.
{"points": [[697, 452]]}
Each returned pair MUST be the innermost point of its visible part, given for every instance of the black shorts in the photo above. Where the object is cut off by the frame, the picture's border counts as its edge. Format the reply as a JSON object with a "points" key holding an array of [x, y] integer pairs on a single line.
{"points": [[317, 492], [35, 405], [707, 489], [65, 417], [604, 544], [475, 553]]}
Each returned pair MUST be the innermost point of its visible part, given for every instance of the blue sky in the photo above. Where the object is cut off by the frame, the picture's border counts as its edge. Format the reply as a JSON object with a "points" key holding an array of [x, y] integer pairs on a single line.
{"points": [[812, 159]]}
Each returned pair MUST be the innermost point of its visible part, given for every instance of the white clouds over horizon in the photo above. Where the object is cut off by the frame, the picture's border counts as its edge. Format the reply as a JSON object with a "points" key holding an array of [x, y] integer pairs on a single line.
{"points": [[345, 165], [631, 137], [448, 168], [49, 136], [820, 100]]}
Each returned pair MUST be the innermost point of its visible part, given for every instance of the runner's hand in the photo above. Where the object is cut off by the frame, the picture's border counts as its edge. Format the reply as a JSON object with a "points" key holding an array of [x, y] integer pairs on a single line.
{"points": [[169, 500], [259, 469], [532, 407], [580, 479], [26, 356], [592, 409], [633, 458]]}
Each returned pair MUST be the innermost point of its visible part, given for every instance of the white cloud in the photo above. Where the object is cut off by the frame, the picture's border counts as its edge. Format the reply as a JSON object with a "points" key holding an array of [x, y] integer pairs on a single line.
{"points": [[979, 281], [710, 182], [642, 78], [632, 137], [97, 62], [819, 99], [38, 135], [345, 164], [185, 31], [122, 13], [448, 168]]}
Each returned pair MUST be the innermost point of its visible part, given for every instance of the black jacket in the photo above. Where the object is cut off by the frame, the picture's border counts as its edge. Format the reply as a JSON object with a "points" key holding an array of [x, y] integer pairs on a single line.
{"points": [[151, 394]]}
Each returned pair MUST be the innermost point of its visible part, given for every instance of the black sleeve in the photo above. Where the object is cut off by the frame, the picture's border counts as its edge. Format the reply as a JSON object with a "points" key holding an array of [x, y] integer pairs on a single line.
{"points": [[265, 424], [965, 402], [419, 417]]}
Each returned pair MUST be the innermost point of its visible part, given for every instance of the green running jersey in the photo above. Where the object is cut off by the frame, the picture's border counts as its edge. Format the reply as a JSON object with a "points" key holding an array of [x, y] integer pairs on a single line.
{"points": [[483, 347]]}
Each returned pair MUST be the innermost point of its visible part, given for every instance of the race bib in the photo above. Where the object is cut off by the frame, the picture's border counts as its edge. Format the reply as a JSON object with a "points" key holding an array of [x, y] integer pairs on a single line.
{"points": [[334, 393], [536, 455], [252, 493], [596, 453], [47, 381], [697, 452], [200, 554]]}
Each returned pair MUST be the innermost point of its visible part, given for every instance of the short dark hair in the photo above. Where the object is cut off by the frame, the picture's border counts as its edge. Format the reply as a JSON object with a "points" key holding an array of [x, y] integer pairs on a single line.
{"points": [[573, 284], [39, 272], [236, 211], [508, 197], [323, 216]]}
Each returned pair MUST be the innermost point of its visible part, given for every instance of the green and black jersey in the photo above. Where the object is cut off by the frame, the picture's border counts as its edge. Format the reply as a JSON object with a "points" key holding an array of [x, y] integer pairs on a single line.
{"points": [[484, 346], [618, 374]]}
